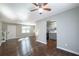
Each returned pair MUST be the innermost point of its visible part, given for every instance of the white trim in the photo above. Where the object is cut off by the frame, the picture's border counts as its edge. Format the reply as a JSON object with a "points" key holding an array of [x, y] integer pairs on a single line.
{"points": [[13, 38], [3, 41], [68, 50], [41, 42], [0, 43]]}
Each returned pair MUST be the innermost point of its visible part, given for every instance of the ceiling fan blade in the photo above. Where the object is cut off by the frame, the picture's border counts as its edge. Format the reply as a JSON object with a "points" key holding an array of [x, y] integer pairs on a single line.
{"points": [[33, 10], [47, 9], [35, 4], [44, 4]]}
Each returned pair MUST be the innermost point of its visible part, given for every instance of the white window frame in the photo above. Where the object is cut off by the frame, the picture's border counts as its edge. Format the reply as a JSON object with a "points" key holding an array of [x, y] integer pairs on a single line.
{"points": [[26, 29]]}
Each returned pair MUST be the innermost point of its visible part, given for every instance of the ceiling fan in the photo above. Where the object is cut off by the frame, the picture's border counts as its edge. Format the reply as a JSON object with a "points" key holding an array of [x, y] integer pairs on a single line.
{"points": [[41, 7]]}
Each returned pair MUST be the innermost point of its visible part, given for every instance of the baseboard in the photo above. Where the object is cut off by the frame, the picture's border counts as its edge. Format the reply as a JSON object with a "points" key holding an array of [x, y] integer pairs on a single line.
{"points": [[41, 42], [14, 38], [4, 41], [68, 50]]}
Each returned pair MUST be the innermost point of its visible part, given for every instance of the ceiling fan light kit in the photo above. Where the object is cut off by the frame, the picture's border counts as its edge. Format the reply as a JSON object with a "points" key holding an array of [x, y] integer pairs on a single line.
{"points": [[40, 10], [41, 7]]}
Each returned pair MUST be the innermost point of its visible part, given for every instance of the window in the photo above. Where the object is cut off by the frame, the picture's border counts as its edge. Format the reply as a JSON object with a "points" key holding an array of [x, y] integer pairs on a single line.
{"points": [[26, 29]]}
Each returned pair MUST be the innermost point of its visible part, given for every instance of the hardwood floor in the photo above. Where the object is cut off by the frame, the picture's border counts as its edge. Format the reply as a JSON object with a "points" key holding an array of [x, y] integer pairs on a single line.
{"points": [[29, 47]]}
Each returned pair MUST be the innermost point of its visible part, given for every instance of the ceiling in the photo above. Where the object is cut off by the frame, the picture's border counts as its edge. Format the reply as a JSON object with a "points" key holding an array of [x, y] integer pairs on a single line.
{"points": [[20, 12]]}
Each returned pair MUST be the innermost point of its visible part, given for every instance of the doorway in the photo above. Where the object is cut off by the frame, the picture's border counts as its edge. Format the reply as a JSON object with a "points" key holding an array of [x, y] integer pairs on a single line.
{"points": [[51, 33]]}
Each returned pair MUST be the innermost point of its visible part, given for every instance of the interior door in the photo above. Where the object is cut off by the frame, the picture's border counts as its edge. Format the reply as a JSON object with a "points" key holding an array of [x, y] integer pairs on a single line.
{"points": [[11, 31]]}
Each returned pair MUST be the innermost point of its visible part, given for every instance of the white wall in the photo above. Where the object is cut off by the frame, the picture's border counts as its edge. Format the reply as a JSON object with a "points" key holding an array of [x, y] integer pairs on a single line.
{"points": [[68, 30], [41, 28]]}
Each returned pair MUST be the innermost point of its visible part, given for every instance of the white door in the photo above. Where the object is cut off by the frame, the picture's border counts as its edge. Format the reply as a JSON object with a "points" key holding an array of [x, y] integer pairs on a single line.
{"points": [[11, 31]]}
